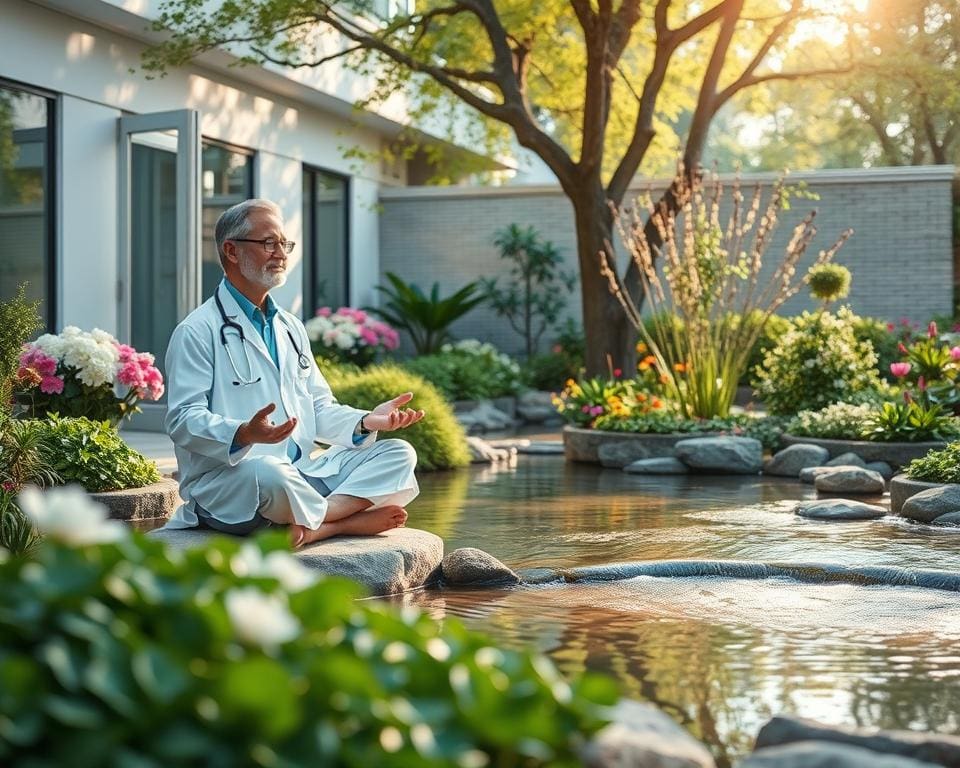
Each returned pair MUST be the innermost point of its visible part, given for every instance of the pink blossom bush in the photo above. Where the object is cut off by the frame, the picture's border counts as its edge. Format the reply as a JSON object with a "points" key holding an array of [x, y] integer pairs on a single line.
{"points": [[349, 335], [75, 373]]}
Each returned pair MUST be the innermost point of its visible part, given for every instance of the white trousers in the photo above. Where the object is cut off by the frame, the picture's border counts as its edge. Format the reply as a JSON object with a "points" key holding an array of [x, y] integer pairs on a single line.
{"points": [[382, 473]]}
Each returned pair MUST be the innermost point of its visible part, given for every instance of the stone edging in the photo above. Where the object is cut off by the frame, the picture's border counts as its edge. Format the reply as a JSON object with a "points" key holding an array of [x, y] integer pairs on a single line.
{"points": [[896, 454], [150, 502], [617, 449]]}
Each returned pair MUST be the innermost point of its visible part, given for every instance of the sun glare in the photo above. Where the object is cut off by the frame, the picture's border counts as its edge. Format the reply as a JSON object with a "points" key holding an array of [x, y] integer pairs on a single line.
{"points": [[830, 26]]}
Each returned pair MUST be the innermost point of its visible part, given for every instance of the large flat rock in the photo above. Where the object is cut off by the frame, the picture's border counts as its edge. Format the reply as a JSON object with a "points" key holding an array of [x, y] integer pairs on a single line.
{"points": [[150, 502], [388, 563]]}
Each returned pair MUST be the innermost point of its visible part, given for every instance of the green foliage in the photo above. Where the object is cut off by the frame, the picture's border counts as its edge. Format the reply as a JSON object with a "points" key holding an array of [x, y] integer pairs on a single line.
{"points": [[426, 318], [910, 422], [438, 438], [883, 340], [536, 294], [767, 429], [829, 282], [26, 457], [839, 421], [941, 466], [773, 330], [19, 321], [130, 654], [819, 361], [93, 455], [565, 360], [468, 370]]}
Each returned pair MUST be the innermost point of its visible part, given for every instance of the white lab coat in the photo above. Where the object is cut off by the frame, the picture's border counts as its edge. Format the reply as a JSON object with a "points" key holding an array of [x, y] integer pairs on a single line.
{"points": [[205, 408]]}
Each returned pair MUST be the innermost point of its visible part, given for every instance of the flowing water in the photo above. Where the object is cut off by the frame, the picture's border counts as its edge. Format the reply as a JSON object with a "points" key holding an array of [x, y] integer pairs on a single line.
{"points": [[832, 639]]}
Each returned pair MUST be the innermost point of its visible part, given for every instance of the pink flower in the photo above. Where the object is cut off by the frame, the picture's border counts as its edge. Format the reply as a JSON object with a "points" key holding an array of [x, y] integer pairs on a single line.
{"points": [[324, 312], [126, 352], [585, 409], [955, 353], [890, 326], [899, 369], [617, 373], [907, 397], [9, 486], [51, 385], [596, 410], [131, 374], [932, 330], [922, 384], [902, 349], [369, 336]]}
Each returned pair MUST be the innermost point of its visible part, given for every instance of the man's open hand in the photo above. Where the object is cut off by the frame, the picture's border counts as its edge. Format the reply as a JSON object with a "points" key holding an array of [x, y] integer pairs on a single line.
{"points": [[389, 415], [260, 429]]}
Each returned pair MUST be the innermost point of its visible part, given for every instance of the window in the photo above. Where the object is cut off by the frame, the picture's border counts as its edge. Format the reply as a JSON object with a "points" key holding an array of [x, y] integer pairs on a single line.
{"points": [[325, 248], [26, 197], [227, 179]]}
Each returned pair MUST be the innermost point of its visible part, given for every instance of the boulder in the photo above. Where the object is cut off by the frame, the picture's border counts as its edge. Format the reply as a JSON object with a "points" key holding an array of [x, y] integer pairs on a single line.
{"points": [[846, 459], [481, 416], [951, 519], [839, 509], [155, 501], [810, 474], [390, 562], [666, 465], [849, 480], [903, 487], [618, 453], [468, 566], [482, 452], [824, 754], [914, 745], [727, 455], [928, 505], [793, 458], [536, 407], [642, 735], [881, 467]]}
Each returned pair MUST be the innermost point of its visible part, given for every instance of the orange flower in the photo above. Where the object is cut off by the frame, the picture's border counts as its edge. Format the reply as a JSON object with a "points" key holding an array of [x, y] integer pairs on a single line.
{"points": [[642, 397], [664, 378], [680, 367], [656, 403], [650, 360], [641, 347]]}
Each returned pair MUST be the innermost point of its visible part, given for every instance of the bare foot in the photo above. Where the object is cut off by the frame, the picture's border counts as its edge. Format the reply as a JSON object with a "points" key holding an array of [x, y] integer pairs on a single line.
{"points": [[365, 523]]}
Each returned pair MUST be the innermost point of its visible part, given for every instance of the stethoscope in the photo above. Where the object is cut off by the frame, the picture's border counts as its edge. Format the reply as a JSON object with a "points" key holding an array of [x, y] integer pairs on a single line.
{"points": [[302, 360]]}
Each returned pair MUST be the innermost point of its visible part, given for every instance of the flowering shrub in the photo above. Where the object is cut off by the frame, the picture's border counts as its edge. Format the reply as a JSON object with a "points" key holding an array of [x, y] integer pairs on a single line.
{"points": [[767, 430], [349, 335], [839, 421], [585, 401], [469, 370], [817, 362], [76, 373], [117, 649], [932, 367]]}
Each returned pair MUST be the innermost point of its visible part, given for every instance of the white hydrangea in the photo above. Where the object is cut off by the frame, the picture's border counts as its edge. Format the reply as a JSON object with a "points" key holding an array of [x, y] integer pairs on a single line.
{"points": [[282, 566]]}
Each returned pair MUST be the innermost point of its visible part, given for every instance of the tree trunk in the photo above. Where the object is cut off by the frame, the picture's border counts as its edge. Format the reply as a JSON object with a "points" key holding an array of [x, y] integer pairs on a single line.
{"points": [[605, 324]]}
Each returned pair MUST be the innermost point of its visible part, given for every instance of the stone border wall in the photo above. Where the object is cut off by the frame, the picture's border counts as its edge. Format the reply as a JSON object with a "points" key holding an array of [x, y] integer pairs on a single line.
{"points": [[900, 253]]}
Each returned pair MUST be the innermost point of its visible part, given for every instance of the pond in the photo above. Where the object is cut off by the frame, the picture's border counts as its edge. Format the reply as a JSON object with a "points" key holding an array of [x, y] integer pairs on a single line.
{"points": [[720, 655]]}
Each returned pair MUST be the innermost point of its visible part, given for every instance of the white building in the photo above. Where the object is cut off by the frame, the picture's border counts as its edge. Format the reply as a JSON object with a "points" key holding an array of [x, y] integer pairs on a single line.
{"points": [[110, 183]]}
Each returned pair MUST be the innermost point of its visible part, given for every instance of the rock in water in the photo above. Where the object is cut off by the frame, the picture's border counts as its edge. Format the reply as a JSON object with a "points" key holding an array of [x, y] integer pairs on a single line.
{"points": [[726, 455]]}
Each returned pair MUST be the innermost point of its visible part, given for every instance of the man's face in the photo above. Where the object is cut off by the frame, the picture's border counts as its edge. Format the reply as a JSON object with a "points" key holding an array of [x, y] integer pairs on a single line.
{"points": [[268, 270]]}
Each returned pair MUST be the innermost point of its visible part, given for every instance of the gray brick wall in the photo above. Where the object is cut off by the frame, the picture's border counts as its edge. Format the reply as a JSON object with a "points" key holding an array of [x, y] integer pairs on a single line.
{"points": [[900, 254]]}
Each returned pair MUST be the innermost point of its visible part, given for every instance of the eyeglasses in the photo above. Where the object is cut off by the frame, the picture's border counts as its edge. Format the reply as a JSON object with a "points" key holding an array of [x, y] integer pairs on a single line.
{"points": [[269, 243]]}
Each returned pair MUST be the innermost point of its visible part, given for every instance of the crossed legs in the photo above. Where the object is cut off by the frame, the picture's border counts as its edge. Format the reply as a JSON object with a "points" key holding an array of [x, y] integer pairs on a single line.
{"points": [[349, 515]]}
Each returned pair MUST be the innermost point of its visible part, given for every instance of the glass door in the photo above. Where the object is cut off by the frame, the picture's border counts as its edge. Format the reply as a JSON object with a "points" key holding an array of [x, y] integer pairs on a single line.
{"points": [[159, 231]]}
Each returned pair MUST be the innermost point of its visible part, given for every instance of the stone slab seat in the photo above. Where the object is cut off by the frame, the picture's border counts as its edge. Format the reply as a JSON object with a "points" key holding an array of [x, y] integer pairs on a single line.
{"points": [[149, 502], [388, 563]]}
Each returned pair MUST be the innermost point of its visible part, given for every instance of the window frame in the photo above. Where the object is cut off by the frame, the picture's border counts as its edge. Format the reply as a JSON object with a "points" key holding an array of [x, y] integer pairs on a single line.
{"points": [[51, 198], [311, 300]]}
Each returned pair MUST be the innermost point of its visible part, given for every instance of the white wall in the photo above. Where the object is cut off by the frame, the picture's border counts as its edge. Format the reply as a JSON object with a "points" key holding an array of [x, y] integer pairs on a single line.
{"points": [[91, 67]]}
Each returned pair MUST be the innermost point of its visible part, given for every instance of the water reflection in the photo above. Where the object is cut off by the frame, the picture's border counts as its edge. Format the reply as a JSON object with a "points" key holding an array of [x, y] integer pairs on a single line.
{"points": [[719, 655]]}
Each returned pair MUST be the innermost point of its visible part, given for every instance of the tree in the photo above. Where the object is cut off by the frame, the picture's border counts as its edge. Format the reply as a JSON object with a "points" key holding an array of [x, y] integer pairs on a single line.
{"points": [[581, 83]]}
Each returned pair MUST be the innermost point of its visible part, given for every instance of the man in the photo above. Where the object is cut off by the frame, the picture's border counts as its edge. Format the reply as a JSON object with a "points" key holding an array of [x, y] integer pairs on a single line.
{"points": [[247, 403]]}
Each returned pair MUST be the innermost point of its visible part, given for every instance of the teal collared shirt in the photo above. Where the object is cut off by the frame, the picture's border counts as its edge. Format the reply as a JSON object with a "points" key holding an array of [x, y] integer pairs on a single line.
{"points": [[262, 321]]}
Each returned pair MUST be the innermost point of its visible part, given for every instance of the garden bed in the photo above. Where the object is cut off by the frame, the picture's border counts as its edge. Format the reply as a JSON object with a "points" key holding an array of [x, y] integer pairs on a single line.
{"points": [[617, 449], [895, 454], [903, 487]]}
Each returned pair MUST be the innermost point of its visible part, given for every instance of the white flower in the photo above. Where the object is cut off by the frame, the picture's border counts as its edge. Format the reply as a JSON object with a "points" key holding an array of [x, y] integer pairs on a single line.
{"points": [[283, 567], [68, 515], [260, 619]]}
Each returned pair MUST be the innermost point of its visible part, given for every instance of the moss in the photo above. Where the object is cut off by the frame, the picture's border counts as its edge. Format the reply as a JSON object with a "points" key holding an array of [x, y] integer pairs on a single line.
{"points": [[439, 439]]}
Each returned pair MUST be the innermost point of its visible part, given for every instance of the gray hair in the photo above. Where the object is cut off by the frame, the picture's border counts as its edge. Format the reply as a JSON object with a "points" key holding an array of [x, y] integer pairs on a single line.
{"points": [[234, 222]]}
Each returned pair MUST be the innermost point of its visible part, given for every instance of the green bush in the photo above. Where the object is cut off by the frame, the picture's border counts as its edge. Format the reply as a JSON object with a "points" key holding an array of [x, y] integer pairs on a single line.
{"points": [[839, 421], [125, 654], [883, 340], [439, 439], [25, 458], [941, 466], [93, 455], [817, 362], [19, 320], [910, 422], [829, 282], [469, 370], [565, 360]]}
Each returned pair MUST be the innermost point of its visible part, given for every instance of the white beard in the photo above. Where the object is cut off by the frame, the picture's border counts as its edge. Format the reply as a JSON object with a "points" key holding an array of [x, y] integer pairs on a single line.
{"points": [[262, 276]]}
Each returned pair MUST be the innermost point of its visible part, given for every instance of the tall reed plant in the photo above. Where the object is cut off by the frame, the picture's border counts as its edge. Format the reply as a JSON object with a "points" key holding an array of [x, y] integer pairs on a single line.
{"points": [[709, 276]]}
